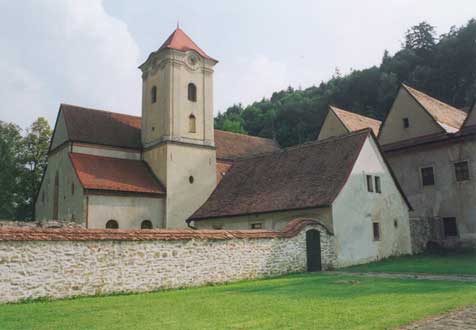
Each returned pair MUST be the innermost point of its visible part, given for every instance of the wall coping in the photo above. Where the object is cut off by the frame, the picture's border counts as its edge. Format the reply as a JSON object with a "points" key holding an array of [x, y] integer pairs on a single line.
{"points": [[82, 234]]}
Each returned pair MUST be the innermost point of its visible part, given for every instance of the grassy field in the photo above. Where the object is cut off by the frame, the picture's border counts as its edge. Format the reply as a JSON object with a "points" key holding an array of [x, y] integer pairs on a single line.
{"points": [[464, 264], [306, 301]]}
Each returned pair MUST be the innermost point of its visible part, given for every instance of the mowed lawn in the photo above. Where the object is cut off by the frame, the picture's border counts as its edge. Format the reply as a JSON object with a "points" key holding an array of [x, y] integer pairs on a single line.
{"points": [[463, 264], [305, 301]]}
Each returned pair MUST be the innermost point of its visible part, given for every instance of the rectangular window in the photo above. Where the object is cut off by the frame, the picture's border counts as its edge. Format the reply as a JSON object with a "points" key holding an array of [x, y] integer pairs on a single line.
{"points": [[406, 123], [427, 176], [450, 228], [376, 231], [377, 185], [462, 171], [370, 185], [257, 225]]}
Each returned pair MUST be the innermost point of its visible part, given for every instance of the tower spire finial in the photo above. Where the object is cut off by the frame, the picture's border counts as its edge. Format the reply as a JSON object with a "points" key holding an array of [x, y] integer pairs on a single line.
{"points": [[178, 24]]}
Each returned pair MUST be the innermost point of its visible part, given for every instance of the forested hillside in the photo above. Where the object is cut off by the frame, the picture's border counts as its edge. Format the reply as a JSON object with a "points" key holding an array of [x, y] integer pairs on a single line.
{"points": [[443, 66]]}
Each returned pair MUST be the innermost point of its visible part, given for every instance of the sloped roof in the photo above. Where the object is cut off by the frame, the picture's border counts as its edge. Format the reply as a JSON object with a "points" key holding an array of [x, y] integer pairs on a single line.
{"points": [[102, 127], [233, 145], [179, 40], [354, 122], [115, 174], [310, 175], [124, 131], [448, 117]]}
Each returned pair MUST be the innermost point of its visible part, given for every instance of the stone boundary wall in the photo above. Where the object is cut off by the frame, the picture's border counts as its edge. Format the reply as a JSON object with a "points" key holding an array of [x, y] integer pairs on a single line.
{"points": [[59, 263], [41, 223]]}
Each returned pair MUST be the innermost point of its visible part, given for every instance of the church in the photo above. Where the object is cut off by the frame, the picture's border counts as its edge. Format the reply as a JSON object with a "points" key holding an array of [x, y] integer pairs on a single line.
{"points": [[170, 168]]}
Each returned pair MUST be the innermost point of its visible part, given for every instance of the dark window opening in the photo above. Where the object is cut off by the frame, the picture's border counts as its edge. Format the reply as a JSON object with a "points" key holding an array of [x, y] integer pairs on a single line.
{"points": [[376, 231], [395, 223], [406, 123], [72, 189], [450, 228], [257, 225], [377, 185], [191, 179], [146, 224], [112, 224], [153, 94], [462, 171], [370, 185], [192, 92], [427, 176]]}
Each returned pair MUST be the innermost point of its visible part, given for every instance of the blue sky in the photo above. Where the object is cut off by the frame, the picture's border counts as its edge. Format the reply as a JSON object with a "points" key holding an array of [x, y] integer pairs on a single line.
{"points": [[86, 52]]}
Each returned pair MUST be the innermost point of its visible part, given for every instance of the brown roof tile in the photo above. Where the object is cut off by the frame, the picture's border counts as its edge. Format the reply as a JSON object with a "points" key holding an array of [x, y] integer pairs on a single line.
{"points": [[310, 175], [354, 122], [448, 117], [114, 174], [222, 169], [124, 131], [102, 127], [81, 234], [233, 145]]}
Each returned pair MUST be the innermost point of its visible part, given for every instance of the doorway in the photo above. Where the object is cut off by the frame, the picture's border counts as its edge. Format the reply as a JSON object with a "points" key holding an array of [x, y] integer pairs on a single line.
{"points": [[313, 247]]}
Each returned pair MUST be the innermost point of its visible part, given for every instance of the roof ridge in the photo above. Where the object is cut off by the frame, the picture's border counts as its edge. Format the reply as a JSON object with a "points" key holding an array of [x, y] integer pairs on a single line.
{"points": [[309, 144], [241, 134], [354, 113], [78, 107]]}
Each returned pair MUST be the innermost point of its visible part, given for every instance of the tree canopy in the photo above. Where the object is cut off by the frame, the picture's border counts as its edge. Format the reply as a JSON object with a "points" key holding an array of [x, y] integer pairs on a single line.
{"points": [[443, 66]]}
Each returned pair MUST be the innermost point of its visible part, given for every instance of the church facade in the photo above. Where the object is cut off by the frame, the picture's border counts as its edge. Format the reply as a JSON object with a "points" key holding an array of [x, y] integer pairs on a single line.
{"points": [[170, 168]]}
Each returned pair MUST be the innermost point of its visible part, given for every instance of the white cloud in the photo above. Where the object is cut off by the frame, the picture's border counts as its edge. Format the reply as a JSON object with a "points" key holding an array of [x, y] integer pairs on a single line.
{"points": [[244, 80], [55, 51]]}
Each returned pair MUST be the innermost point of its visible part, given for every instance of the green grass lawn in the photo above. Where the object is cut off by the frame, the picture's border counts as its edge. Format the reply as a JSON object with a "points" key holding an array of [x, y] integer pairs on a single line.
{"points": [[306, 301], [464, 264]]}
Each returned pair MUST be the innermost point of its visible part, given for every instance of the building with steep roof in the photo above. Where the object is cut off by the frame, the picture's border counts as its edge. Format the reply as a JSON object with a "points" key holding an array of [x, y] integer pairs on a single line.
{"points": [[431, 147], [170, 168]]}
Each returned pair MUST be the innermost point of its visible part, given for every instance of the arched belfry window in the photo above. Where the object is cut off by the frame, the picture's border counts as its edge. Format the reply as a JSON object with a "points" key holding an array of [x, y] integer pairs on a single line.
{"points": [[112, 224], [192, 92], [146, 224], [192, 124], [153, 94]]}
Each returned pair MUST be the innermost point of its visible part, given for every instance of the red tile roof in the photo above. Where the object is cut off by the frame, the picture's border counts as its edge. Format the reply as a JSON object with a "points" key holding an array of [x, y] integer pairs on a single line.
{"points": [[124, 131], [179, 40], [81, 234], [233, 145], [114, 174], [448, 117], [310, 175], [354, 122]]}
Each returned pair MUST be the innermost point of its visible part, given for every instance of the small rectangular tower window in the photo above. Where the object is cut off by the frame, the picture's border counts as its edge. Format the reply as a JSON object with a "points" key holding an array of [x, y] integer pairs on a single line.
{"points": [[257, 225], [370, 185], [406, 123], [376, 231], [427, 176], [378, 189], [450, 228], [462, 171]]}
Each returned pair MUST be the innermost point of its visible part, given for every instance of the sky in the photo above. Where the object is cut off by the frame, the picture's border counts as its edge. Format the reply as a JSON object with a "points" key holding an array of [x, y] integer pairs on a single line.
{"points": [[86, 52]]}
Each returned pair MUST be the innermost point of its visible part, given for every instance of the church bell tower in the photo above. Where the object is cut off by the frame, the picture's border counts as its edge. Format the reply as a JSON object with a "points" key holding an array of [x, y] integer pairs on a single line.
{"points": [[177, 124]]}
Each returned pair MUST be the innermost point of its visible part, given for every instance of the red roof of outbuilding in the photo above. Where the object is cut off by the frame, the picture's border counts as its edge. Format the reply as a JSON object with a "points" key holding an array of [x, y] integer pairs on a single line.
{"points": [[179, 40], [115, 174]]}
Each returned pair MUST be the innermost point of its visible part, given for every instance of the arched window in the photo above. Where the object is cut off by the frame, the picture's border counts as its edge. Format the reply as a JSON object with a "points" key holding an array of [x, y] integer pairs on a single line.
{"points": [[192, 92], [153, 94], [112, 224], [192, 124], [146, 224]]}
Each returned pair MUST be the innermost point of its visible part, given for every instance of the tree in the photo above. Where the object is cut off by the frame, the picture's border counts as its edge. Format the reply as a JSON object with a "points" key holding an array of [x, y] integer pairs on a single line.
{"points": [[10, 148], [34, 159], [420, 37]]}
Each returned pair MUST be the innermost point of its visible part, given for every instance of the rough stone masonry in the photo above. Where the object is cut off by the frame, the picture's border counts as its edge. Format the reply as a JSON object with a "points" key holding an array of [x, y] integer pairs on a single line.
{"points": [[58, 263]]}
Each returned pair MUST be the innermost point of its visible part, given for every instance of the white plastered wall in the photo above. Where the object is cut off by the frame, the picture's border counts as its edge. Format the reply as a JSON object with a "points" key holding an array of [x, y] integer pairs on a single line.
{"points": [[355, 209], [128, 211]]}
